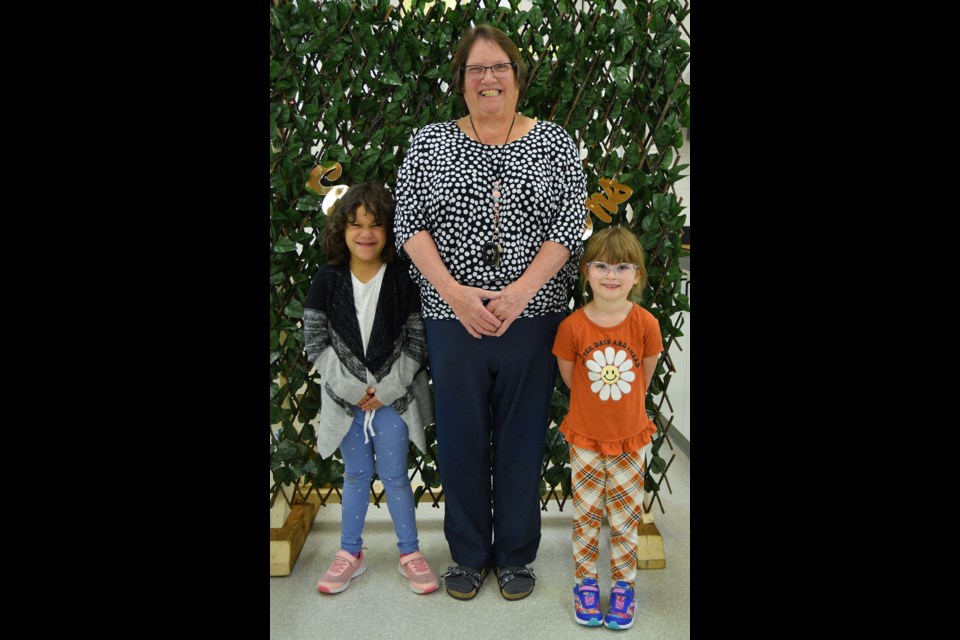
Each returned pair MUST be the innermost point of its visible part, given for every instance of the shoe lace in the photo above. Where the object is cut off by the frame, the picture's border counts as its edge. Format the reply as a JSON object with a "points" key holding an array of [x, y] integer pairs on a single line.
{"points": [[419, 565], [588, 596], [340, 564], [620, 599]]}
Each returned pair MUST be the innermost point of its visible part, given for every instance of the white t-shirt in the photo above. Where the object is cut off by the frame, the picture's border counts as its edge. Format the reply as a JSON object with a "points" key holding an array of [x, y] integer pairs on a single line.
{"points": [[365, 296]]}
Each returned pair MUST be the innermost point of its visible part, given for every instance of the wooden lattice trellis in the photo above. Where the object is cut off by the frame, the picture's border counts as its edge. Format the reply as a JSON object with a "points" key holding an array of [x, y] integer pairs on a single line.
{"points": [[352, 81]]}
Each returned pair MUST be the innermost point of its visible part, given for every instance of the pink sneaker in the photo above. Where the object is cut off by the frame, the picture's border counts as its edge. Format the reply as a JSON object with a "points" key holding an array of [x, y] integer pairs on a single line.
{"points": [[422, 579], [344, 569]]}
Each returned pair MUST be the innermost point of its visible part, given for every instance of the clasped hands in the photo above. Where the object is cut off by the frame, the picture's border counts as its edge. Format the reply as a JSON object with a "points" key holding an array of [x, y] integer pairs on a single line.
{"points": [[492, 319], [369, 401]]}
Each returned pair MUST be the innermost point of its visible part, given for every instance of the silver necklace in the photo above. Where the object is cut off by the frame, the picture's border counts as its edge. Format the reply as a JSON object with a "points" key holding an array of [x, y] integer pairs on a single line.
{"points": [[493, 250]]}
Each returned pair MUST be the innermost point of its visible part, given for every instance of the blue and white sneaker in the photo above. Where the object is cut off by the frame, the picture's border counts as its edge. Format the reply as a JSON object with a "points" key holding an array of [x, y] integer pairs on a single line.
{"points": [[622, 606], [586, 603]]}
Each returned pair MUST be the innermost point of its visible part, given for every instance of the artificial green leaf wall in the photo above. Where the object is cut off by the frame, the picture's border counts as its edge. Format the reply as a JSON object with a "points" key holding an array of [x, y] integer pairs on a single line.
{"points": [[352, 82]]}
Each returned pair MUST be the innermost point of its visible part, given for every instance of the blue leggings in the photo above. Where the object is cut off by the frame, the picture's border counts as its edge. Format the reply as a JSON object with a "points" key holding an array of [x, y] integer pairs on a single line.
{"points": [[388, 451]]}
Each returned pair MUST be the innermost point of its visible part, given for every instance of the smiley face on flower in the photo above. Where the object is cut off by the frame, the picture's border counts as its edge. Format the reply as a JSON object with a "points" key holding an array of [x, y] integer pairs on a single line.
{"points": [[610, 372]]}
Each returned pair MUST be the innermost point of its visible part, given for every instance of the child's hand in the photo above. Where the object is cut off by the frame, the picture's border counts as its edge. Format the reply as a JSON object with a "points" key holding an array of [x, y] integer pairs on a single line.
{"points": [[371, 404], [369, 401]]}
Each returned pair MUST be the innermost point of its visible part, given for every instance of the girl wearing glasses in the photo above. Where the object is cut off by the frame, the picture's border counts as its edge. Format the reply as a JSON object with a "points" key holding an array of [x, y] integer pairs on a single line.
{"points": [[607, 351], [490, 209]]}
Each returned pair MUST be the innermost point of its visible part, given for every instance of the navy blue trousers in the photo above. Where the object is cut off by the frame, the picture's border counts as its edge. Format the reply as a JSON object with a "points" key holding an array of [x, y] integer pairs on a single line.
{"points": [[492, 411]]}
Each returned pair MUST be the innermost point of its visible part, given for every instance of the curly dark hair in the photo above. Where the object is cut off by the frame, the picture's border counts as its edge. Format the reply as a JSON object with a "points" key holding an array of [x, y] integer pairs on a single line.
{"points": [[375, 199], [499, 38]]}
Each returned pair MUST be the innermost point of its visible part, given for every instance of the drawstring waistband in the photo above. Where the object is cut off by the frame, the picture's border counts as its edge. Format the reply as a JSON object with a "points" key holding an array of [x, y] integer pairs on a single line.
{"points": [[368, 425]]}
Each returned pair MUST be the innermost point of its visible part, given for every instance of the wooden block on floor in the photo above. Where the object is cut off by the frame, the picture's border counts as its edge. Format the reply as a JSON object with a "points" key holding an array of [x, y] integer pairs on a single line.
{"points": [[279, 512], [650, 548], [287, 541]]}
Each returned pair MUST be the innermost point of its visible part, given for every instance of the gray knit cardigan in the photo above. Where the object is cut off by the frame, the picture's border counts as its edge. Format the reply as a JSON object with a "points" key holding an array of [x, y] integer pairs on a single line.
{"points": [[396, 353]]}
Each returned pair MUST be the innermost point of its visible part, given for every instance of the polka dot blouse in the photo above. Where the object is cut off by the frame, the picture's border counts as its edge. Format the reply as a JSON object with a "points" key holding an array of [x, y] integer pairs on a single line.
{"points": [[445, 186]]}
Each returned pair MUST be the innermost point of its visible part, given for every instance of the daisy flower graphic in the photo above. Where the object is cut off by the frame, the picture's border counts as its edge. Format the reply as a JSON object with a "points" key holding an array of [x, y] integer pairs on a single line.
{"points": [[610, 372]]}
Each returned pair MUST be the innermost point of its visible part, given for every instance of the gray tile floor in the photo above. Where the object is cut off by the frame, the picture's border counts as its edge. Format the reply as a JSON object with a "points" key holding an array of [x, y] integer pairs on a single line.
{"points": [[379, 604]]}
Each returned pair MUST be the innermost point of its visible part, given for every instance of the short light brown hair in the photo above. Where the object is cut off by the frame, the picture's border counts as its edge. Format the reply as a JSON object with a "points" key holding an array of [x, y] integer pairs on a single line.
{"points": [[377, 201], [499, 38], [614, 245]]}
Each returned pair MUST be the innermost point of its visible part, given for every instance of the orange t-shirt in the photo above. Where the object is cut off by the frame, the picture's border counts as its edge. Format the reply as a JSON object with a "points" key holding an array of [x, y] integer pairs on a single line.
{"points": [[608, 396]]}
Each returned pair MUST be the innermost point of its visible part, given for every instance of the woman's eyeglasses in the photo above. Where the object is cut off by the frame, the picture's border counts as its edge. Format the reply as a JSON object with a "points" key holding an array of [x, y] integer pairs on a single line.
{"points": [[477, 71], [622, 270]]}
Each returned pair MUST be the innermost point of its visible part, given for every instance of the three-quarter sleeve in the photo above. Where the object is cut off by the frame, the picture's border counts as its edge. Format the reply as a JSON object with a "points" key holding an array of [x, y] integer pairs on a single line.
{"points": [[568, 223], [411, 193]]}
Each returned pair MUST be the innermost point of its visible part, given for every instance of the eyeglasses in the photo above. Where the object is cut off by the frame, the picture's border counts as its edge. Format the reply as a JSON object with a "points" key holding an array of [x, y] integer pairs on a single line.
{"points": [[478, 71], [622, 270]]}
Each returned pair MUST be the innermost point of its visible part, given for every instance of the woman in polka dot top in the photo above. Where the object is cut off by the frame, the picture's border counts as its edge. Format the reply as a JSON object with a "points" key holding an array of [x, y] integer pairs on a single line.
{"points": [[490, 209]]}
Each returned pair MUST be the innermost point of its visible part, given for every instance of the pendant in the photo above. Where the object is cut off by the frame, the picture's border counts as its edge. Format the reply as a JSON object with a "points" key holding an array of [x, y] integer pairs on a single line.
{"points": [[491, 254]]}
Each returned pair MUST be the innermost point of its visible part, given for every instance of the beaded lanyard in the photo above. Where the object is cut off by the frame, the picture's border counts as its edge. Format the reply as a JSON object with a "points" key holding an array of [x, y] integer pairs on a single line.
{"points": [[493, 250]]}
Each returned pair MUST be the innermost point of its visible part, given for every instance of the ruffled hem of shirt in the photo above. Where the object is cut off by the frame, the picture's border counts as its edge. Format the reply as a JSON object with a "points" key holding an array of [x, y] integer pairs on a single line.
{"points": [[610, 447]]}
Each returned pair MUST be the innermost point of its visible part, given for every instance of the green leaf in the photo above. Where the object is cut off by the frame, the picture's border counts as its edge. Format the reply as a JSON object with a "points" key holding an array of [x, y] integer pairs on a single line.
{"points": [[402, 61], [659, 203], [310, 406], [656, 386], [431, 477], [287, 450], [308, 203], [312, 467], [649, 222], [579, 119], [621, 75], [284, 245], [657, 465], [294, 309], [391, 78], [284, 475], [535, 15], [649, 484], [275, 68], [657, 24], [667, 158], [276, 414], [655, 447], [664, 135], [603, 30], [554, 475]]}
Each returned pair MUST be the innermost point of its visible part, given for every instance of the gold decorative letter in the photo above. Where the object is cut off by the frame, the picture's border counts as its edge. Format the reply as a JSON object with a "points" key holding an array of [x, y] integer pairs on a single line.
{"points": [[615, 194], [329, 170]]}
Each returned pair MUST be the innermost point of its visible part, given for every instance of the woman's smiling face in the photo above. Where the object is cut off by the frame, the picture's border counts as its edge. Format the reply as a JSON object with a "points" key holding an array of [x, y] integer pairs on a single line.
{"points": [[490, 95]]}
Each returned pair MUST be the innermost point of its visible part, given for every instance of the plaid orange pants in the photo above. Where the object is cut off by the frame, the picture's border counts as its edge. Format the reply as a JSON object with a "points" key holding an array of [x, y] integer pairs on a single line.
{"points": [[614, 483]]}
